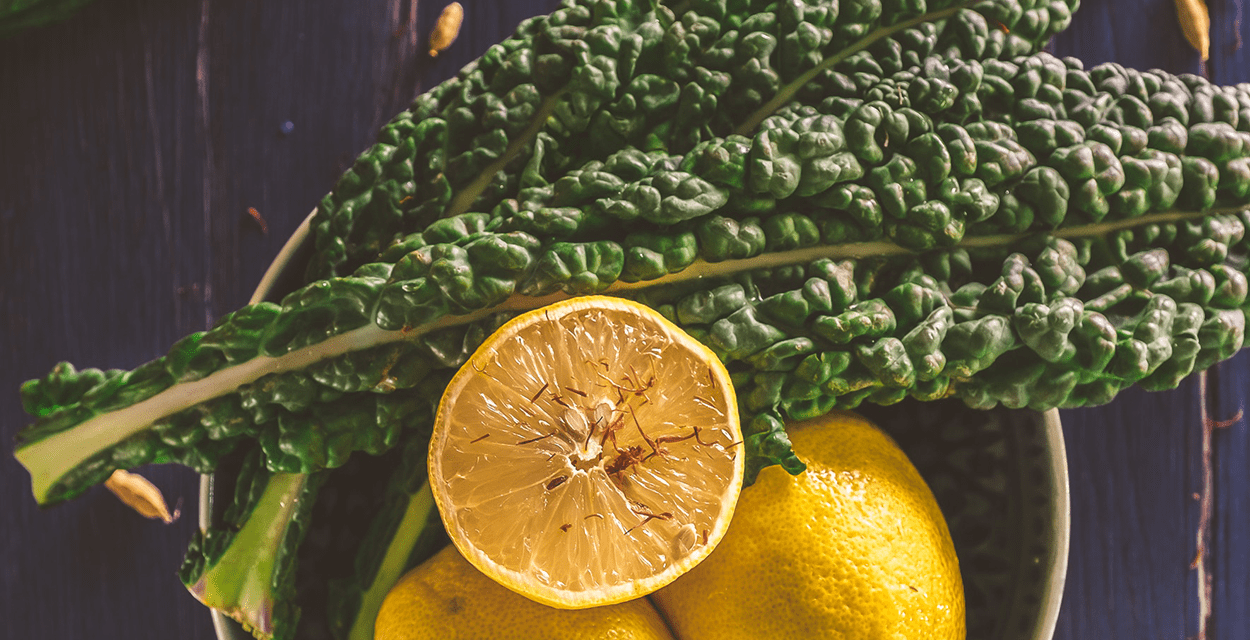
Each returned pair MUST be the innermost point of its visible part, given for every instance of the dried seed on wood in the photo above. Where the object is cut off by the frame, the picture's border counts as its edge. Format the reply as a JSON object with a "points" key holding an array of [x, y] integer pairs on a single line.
{"points": [[446, 28], [140, 494]]}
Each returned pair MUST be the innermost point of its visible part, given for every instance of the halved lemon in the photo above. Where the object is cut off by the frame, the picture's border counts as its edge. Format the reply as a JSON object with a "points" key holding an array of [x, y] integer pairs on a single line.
{"points": [[588, 453]]}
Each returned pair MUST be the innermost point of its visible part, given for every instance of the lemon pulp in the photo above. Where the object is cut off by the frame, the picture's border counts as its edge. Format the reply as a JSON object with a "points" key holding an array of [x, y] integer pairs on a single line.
{"points": [[588, 453]]}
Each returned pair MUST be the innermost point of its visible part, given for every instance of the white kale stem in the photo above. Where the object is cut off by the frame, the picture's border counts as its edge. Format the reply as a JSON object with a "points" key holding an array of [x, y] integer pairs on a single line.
{"points": [[240, 583], [49, 459]]}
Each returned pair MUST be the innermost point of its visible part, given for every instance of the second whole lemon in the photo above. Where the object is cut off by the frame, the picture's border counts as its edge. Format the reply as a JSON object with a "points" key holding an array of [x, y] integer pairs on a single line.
{"points": [[446, 598], [854, 547]]}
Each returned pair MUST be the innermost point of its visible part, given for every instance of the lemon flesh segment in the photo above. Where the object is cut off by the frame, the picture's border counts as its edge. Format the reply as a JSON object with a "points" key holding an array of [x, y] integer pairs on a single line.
{"points": [[588, 453]]}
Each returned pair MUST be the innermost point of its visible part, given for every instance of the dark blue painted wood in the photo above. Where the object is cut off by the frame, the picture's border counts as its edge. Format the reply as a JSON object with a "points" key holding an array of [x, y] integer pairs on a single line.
{"points": [[134, 138], [1230, 60], [1143, 34], [1228, 554], [1228, 551], [1138, 464], [1134, 517]]}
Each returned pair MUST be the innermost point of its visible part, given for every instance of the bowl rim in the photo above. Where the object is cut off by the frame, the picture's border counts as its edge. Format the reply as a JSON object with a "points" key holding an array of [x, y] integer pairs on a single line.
{"points": [[1060, 515], [1061, 527]]}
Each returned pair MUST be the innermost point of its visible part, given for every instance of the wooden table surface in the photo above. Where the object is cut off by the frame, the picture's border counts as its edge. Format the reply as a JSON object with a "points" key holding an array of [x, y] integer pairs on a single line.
{"points": [[135, 136]]}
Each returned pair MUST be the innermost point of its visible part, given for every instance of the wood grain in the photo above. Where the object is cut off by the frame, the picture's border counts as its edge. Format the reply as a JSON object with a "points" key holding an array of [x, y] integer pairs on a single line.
{"points": [[1228, 554], [1138, 464], [135, 137]]}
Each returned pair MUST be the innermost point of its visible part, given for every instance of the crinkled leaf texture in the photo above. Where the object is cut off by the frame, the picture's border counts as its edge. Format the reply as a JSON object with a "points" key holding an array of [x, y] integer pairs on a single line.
{"points": [[914, 209]]}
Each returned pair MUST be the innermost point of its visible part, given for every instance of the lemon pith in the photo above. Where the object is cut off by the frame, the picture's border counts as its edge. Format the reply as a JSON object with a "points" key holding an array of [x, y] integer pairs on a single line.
{"points": [[588, 453]]}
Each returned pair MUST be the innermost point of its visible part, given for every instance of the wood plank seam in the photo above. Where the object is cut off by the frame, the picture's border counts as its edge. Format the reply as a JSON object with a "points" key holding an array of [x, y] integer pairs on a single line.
{"points": [[1204, 512], [1203, 562]]}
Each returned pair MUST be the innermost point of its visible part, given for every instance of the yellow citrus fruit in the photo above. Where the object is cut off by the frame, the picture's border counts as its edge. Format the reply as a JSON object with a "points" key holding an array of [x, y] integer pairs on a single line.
{"points": [[854, 547], [588, 453], [445, 598]]}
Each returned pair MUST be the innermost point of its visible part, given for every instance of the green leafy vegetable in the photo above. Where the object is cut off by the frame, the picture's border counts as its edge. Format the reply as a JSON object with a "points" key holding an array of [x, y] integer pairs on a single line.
{"points": [[1001, 230], [244, 563], [848, 202], [596, 77], [336, 347], [405, 531], [246, 566]]}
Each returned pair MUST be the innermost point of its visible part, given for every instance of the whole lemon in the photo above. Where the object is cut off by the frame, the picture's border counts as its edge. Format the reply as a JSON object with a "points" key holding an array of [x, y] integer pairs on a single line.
{"points": [[854, 547], [446, 598]]}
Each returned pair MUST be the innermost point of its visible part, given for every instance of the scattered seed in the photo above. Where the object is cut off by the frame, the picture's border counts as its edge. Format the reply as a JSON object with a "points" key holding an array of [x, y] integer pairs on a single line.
{"points": [[479, 438], [138, 493], [555, 482], [603, 412], [580, 393], [1195, 24], [446, 28], [684, 541], [574, 421], [594, 515], [565, 527]]}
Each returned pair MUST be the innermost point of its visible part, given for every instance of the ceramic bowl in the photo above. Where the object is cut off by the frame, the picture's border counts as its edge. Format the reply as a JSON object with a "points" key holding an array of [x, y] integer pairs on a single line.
{"points": [[1000, 477]]}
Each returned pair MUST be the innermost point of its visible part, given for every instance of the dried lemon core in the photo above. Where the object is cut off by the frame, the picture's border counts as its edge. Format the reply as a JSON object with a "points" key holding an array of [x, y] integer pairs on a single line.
{"points": [[588, 453]]}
